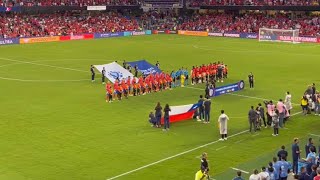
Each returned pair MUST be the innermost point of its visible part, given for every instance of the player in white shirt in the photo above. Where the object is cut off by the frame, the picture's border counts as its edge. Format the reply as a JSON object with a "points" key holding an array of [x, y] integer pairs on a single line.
{"points": [[263, 174]]}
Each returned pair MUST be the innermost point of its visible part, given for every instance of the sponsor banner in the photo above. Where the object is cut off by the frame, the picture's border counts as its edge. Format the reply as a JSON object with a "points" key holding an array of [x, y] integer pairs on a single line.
{"points": [[39, 39], [170, 32], [249, 35], [10, 9], [96, 8], [237, 35], [193, 33], [145, 67], [114, 71], [76, 37], [215, 34], [226, 89], [107, 35], [8, 41], [138, 33], [181, 113], [127, 33], [148, 32], [268, 37], [298, 39]]}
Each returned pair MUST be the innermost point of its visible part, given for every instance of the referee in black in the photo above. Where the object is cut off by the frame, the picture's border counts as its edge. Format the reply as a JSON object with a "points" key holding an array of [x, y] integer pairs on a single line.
{"points": [[251, 80], [103, 76], [92, 73]]}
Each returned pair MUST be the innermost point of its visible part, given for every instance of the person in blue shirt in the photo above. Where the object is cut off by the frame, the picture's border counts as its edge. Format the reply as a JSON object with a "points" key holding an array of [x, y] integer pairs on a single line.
{"points": [[238, 176], [276, 168], [271, 172], [295, 155], [283, 168]]}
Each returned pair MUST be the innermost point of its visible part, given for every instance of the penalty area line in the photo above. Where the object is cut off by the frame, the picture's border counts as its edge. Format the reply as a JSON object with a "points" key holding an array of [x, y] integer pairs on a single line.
{"points": [[171, 157]]}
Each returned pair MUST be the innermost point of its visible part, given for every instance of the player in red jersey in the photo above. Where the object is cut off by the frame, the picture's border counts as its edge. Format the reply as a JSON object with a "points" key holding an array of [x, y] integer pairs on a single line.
{"points": [[109, 92], [116, 90], [129, 85]]}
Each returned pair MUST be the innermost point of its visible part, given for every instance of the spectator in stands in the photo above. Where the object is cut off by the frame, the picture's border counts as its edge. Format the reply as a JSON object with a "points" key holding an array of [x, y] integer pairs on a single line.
{"points": [[303, 174], [255, 175], [318, 174], [314, 172], [283, 168], [283, 153], [238, 176], [295, 155], [309, 145]]}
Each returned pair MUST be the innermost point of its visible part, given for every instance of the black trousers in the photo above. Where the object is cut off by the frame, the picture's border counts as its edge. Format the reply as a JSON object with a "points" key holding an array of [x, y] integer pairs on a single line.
{"points": [[275, 130], [251, 84], [92, 77]]}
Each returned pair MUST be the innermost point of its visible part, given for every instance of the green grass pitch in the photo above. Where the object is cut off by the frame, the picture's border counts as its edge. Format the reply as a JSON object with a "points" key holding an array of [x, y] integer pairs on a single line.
{"points": [[55, 124]]}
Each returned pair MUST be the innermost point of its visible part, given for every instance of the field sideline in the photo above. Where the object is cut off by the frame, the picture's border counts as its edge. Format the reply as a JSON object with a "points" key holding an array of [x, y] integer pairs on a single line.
{"points": [[56, 124]]}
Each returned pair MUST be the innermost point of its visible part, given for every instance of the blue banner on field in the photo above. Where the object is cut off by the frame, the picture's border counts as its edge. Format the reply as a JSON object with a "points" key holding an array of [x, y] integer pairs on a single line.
{"points": [[107, 35], [8, 41], [144, 67], [226, 89]]}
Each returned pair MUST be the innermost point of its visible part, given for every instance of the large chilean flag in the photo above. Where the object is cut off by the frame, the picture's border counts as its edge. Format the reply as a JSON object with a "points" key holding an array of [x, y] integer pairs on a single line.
{"points": [[181, 113]]}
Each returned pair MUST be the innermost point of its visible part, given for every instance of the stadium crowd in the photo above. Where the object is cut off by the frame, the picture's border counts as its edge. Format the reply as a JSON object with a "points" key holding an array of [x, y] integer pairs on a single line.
{"points": [[17, 25], [11, 3], [197, 3], [64, 24]]}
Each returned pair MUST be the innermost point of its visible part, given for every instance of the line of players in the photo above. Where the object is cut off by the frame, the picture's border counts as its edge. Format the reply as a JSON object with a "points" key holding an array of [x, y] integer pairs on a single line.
{"points": [[216, 71], [138, 86]]}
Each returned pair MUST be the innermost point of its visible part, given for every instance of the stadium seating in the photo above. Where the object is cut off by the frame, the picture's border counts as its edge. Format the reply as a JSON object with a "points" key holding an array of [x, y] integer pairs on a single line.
{"points": [[68, 23], [196, 3], [66, 2]]}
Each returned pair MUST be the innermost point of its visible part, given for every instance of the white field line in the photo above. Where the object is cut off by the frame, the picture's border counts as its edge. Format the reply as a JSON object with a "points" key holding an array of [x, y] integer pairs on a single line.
{"points": [[255, 135], [239, 141], [46, 65], [218, 149], [38, 80], [246, 172], [171, 157], [316, 135], [240, 95]]}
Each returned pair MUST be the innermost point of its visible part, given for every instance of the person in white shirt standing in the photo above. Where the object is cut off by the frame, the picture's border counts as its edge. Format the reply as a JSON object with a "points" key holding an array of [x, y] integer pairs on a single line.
{"points": [[287, 102], [223, 125], [255, 175], [264, 175]]}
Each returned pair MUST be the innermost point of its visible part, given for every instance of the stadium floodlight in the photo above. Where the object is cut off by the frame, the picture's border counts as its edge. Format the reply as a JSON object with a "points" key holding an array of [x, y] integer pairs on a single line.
{"points": [[279, 35]]}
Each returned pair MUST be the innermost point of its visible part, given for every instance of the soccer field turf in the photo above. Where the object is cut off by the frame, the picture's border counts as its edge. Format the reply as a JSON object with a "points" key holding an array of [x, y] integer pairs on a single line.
{"points": [[55, 123]]}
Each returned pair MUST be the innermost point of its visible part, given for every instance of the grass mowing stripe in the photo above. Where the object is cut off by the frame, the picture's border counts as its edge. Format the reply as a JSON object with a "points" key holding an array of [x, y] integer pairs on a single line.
{"points": [[171, 157]]}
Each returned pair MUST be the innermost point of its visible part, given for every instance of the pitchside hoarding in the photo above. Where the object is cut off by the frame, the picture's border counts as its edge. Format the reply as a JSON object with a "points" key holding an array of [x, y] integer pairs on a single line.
{"points": [[9, 41], [108, 35]]}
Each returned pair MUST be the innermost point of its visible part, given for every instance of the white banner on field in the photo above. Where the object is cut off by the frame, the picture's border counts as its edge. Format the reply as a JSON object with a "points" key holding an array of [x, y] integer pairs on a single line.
{"points": [[114, 71]]}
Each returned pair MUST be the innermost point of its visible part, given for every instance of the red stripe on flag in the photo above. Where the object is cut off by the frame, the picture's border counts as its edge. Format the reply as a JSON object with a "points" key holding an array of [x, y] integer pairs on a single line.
{"points": [[180, 117]]}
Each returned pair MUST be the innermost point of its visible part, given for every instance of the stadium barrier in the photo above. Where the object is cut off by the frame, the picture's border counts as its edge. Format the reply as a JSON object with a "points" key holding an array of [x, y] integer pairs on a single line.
{"points": [[213, 92], [9, 41], [39, 40], [193, 33]]}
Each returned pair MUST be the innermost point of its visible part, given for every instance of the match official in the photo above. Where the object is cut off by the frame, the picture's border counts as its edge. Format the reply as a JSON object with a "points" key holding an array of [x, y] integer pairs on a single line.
{"points": [[92, 73], [251, 80]]}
